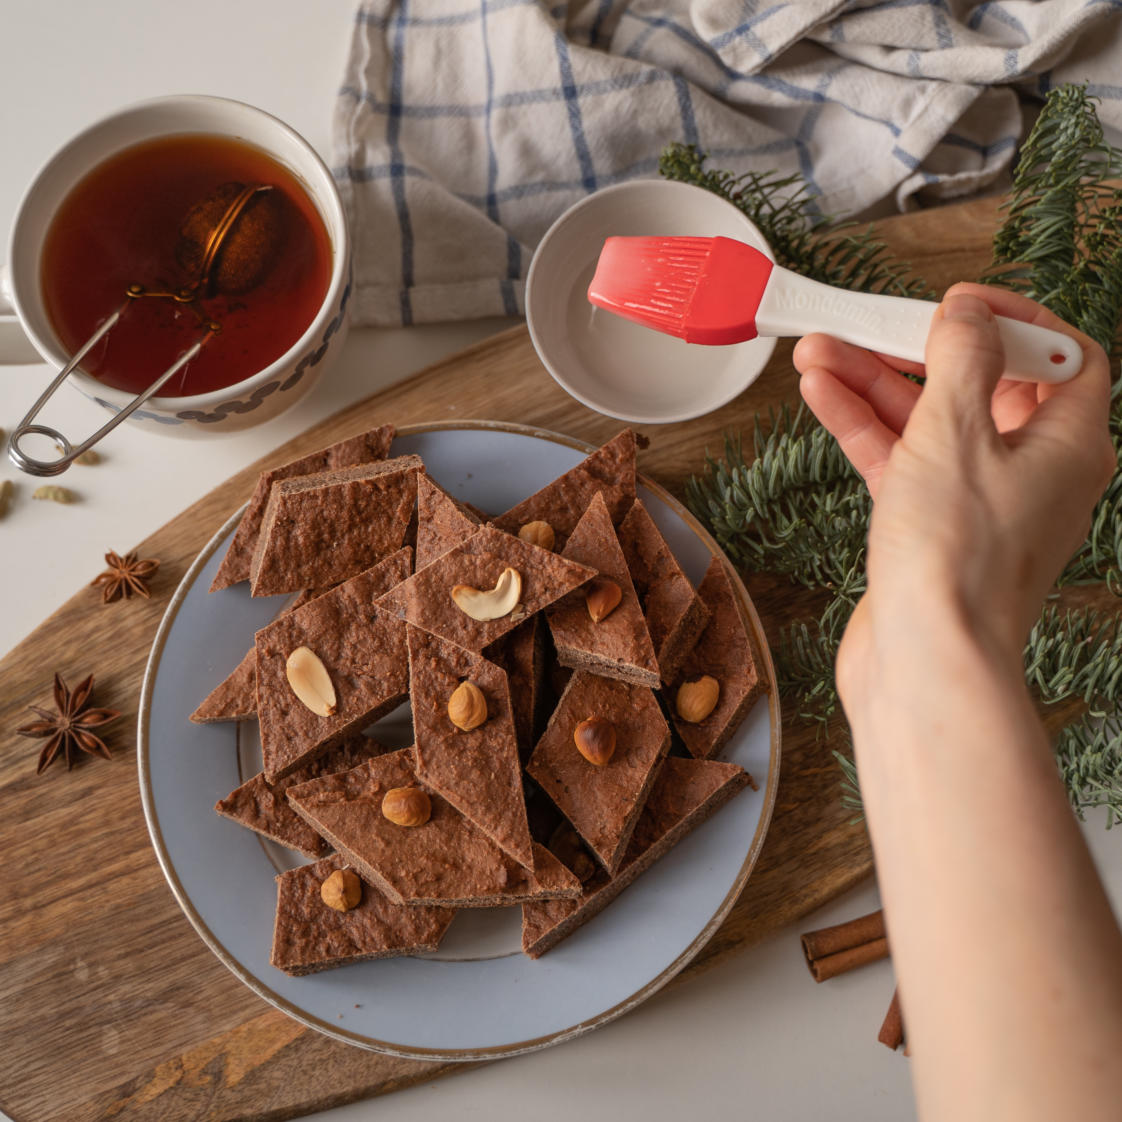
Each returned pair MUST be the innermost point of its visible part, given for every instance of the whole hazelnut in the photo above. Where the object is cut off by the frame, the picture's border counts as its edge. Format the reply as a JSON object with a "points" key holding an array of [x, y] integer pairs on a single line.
{"points": [[595, 739], [342, 890], [467, 707], [697, 699], [538, 533], [407, 806], [603, 597]]}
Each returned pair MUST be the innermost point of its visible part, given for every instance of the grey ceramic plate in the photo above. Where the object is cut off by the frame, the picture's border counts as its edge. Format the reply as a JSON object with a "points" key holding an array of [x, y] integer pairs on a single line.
{"points": [[477, 1004]]}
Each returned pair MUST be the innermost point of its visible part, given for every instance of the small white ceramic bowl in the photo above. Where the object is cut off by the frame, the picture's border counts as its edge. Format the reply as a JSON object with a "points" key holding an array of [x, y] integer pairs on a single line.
{"points": [[608, 363]]}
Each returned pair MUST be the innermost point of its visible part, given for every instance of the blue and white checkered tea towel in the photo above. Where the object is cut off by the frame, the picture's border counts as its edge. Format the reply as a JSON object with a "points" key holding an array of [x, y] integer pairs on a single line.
{"points": [[465, 127]]}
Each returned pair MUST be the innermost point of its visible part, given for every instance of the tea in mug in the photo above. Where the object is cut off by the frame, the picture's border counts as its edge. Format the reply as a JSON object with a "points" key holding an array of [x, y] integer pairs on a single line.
{"points": [[145, 217]]}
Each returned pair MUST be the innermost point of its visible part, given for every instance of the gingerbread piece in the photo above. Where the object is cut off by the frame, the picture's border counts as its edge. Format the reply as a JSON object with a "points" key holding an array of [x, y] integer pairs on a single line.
{"points": [[617, 645], [363, 652], [324, 528], [425, 599], [477, 770], [442, 522], [685, 793], [362, 449], [676, 615], [602, 801], [725, 653], [309, 936]]}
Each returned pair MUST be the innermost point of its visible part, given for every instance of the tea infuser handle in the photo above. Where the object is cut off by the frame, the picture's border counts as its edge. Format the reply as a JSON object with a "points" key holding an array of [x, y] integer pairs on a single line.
{"points": [[70, 452]]}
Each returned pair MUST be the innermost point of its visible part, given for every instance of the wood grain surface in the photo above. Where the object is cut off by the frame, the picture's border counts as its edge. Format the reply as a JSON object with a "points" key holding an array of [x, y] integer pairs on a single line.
{"points": [[110, 1004]]}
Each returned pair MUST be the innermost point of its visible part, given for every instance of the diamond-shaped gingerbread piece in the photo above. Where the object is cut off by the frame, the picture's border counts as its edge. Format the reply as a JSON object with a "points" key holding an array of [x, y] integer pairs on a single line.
{"points": [[726, 653], [447, 861], [610, 470], [261, 806], [309, 936], [363, 652], [442, 522], [676, 615], [362, 449], [618, 645], [685, 793], [425, 599], [325, 528], [602, 802], [476, 770]]}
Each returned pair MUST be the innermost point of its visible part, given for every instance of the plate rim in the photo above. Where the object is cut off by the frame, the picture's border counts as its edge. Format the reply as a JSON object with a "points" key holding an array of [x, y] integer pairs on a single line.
{"points": [[670, 971]]}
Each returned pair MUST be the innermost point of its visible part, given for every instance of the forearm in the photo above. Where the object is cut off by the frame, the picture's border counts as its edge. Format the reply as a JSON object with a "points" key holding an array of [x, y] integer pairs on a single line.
{"points": [[1008, 958]]}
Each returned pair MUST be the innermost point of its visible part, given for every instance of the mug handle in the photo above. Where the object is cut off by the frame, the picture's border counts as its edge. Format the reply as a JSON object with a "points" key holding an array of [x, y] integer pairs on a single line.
{"points": [[15, 347]]}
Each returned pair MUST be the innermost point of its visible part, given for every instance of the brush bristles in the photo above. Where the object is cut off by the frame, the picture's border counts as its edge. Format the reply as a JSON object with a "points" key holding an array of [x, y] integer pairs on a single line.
{"points": [[651, 280]]}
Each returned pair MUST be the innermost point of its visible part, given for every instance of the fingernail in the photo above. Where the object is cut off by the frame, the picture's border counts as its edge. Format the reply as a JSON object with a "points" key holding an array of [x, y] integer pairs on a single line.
{"points": [[963, 307]]}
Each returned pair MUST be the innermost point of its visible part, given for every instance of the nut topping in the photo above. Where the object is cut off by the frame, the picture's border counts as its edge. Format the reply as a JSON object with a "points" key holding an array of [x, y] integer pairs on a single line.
{"points": [[467, 707], [603, 597], [595, 739], [342, 890], [493, 603], [310, 681], [538, 533], [407, 806], [696, 700]]}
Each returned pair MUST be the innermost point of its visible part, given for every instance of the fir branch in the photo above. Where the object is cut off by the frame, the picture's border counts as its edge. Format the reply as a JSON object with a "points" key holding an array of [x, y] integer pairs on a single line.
{"points": [[1089, 756], [802, 239]]}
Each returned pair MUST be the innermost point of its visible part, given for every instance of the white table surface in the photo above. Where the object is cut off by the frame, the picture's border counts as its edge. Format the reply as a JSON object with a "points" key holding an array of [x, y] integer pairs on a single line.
{"points": [[754, 1037]]}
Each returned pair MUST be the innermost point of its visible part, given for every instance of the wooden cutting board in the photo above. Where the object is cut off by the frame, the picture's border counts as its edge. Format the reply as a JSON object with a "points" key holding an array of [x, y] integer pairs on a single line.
{"points": [[110, 1004]]}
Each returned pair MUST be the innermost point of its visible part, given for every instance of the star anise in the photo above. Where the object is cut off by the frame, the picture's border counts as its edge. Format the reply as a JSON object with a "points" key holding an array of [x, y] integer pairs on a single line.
{"points": [[69, 727], [125, 576]]}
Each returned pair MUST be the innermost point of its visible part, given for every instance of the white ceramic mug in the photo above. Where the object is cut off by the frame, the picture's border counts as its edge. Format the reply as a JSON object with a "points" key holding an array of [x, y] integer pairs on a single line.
{"points": [[257, 398]]}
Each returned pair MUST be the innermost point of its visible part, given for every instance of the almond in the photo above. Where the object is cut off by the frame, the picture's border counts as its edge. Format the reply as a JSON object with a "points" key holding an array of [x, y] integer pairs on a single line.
{"points": [[603, 597], [310, 681], [538, 533]]}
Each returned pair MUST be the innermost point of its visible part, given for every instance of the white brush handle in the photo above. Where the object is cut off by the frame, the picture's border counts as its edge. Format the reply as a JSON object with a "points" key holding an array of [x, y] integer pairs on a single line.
{"points": [[895, 325]]}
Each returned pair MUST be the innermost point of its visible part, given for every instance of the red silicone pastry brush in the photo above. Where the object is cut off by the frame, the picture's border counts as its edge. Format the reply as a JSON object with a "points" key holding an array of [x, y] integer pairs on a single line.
{"points": [[717, 291]]}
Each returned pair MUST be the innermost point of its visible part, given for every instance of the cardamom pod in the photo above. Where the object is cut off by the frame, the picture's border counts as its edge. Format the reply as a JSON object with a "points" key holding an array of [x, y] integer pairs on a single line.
{"points": [[89, 458], [6, 489], [53, 493]]}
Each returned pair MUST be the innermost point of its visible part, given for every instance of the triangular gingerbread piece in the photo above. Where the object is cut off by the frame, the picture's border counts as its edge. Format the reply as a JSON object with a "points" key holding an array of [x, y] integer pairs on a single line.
{"points": [[310, 936], [324, 528], [617, 645], [363, 651], [446, 861], [362, 449], [610, 470], [602, 802], [676, 615], [234, 698], [726, 653], [261, 806], [442, 522], [478, 770], [425, 599], [684, 794]]}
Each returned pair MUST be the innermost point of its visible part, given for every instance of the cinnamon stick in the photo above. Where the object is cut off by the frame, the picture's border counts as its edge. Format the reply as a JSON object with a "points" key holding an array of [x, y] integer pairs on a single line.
{"points": [[892, 1030], [845, 946]]}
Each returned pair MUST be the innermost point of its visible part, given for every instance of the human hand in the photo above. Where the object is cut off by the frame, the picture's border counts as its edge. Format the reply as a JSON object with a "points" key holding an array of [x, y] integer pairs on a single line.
{"points": [[982, 487]]}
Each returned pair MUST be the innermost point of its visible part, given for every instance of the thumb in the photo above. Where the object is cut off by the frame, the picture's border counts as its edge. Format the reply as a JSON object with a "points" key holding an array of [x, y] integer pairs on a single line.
{"points": [[964, 360]]}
